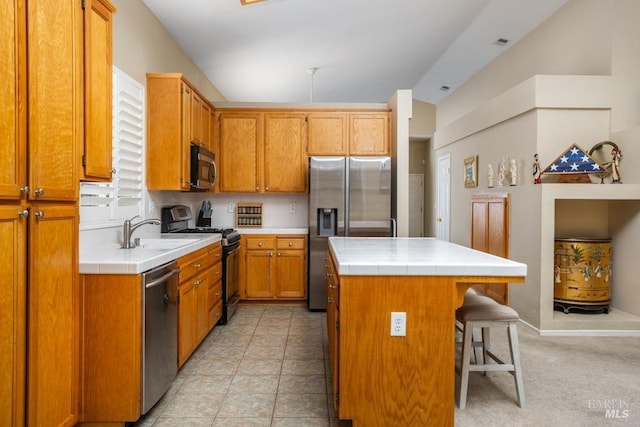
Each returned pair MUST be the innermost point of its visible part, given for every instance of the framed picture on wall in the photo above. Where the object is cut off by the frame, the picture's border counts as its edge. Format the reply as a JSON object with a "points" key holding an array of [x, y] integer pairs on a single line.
{"points": [[471, 171]]}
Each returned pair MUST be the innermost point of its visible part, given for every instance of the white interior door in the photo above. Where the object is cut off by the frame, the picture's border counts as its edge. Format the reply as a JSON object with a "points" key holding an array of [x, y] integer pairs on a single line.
{"points": [[416, 205], [444, 197]]}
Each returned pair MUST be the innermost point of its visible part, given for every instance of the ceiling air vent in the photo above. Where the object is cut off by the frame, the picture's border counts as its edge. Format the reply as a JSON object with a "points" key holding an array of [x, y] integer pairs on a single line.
{"points": [[501, 42], [444, 88]]}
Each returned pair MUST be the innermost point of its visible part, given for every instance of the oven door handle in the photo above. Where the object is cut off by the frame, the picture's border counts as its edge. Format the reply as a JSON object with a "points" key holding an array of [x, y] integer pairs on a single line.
{"points": [[233, 251]]}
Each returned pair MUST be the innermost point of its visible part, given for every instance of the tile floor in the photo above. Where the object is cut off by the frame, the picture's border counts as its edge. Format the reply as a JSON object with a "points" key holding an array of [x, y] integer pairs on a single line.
{"points": [[268, 366]]}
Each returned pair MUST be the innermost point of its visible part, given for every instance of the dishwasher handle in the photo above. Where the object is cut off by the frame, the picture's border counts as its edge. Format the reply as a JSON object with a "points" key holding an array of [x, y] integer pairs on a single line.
{"points": [[162, 279]]}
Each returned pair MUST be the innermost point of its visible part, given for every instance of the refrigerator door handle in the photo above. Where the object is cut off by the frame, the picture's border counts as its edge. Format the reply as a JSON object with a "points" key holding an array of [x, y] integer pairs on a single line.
{"points": [[394, 228]]}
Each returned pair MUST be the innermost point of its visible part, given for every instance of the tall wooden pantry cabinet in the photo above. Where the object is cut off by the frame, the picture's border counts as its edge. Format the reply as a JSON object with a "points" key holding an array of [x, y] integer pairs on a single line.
{"points": [[41, 135]]}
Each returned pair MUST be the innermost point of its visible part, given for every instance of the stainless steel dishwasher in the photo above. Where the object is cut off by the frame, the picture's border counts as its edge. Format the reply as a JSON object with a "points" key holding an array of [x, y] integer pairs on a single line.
{"points": [[160, 332]]}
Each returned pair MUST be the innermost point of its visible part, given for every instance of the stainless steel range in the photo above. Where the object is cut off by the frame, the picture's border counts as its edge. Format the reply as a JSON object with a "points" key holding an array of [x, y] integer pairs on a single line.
{"points": [[175, 219]]}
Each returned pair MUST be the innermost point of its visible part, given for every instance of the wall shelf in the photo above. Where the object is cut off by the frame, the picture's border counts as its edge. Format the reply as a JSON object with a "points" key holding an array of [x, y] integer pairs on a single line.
{"points": [[249, 215]]}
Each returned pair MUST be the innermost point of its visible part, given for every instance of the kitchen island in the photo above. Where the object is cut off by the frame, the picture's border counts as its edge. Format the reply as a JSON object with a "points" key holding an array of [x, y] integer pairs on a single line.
{"points": [[385, 380]]}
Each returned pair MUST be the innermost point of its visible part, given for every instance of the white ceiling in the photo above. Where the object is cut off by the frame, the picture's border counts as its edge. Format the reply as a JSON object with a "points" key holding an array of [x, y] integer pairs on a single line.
{"points": [[364, 50]]}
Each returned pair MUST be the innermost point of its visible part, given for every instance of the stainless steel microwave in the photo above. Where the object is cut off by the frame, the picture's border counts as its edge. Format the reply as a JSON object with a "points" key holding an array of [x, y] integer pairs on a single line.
{"points": [[203, 168]]}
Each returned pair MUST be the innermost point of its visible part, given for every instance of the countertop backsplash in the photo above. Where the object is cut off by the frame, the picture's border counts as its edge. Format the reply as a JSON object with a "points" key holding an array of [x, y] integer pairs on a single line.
{"points": [[276, 210]]}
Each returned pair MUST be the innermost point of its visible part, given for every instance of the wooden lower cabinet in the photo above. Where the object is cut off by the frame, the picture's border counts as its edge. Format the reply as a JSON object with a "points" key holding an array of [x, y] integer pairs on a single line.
{"points": [[490, 233], [40, 317], [275, 267], [199, 298], [112, 365]]}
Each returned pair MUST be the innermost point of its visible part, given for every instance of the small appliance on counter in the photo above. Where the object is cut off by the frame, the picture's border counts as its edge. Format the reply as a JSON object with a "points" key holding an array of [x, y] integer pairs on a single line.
{"points": [[175, 219]]}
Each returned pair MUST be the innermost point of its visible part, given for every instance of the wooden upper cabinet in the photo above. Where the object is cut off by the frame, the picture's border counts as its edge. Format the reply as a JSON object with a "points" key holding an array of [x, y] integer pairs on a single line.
{"points": [[369, 133], [169, 105], [177, 116], [262, 151], [13, 144], [327, 133], [200, 111], [348, 133], [241, 140], [55, 98], [285, 159], [98, 71]]}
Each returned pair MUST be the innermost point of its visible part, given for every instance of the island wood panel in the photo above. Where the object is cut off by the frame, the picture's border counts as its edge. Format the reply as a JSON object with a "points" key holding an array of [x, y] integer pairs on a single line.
{"points": [[399, 381], [112, 347]]}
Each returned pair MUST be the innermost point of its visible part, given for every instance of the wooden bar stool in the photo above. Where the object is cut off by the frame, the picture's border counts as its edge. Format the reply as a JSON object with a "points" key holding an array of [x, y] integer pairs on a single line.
{"points": [[486, 316]]}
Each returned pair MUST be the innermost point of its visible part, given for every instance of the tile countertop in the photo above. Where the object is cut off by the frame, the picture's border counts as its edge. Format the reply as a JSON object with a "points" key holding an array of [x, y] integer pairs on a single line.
{"points": [[272, 230], [111, 259], [388, 256]]}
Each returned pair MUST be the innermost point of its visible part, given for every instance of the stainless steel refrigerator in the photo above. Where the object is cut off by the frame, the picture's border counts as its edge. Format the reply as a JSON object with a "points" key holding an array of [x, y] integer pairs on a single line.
{"points": [[348, 196]]}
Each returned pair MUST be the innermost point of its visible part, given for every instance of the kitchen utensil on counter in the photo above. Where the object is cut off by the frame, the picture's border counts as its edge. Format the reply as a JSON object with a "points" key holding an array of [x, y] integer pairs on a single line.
{"points": [[204, 216]]}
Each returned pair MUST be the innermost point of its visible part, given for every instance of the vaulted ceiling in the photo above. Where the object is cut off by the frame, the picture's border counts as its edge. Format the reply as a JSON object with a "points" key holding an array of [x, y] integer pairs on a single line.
{"points": [[361, 50]]}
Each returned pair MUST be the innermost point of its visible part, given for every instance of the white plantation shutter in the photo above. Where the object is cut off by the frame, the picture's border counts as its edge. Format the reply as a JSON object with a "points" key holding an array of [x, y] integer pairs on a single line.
{"points": [[122, 198]]}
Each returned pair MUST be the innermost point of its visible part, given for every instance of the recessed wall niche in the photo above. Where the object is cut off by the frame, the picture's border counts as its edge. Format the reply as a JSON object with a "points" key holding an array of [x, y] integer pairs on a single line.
{"points": [[620, 221]]}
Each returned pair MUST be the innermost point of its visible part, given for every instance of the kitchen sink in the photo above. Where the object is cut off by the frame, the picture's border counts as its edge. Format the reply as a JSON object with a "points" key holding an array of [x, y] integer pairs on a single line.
{"points": [[164, 244]]}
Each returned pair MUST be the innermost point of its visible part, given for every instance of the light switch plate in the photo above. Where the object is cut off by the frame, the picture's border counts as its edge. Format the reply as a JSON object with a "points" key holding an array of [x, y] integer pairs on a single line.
{"points": [[231, 207]]}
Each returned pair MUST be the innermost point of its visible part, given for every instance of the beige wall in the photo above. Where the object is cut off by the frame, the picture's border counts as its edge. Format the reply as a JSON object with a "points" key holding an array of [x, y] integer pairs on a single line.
{"points": [[142, 45], [585, 37], [423, 121]]}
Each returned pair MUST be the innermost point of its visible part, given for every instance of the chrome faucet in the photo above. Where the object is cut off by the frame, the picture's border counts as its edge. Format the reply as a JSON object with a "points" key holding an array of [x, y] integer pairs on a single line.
{"points": [[128, 229]]}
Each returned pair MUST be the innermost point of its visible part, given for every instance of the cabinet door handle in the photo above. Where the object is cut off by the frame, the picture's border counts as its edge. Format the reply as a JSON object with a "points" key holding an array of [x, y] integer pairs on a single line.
{"points": [[270, 253], [290, 243], [257, 189], [39, 192], [196, 265], [279, 254], [259, 244], [24, 213], [25, 189], [267, 188], [39, 214]]}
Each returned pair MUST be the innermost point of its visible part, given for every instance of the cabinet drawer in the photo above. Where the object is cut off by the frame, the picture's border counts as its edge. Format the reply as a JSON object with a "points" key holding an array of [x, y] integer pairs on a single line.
{"points": [[214, 294], [290, 243], [215, 252], [216, 273], [215, 314], [261, 242], [194, 263]]}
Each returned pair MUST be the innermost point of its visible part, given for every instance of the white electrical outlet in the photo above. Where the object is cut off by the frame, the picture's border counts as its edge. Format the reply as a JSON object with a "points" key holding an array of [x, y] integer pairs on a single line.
{"points": [[292, 207], [231, 207], [398, 324]]}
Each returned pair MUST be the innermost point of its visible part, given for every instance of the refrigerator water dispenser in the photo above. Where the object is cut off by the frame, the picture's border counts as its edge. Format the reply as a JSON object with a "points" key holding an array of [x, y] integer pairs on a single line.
{"points": [[327, 222]]}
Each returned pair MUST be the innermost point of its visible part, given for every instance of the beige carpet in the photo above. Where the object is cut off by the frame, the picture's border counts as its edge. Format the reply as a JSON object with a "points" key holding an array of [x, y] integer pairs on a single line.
{"points": [[568, 381]]}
